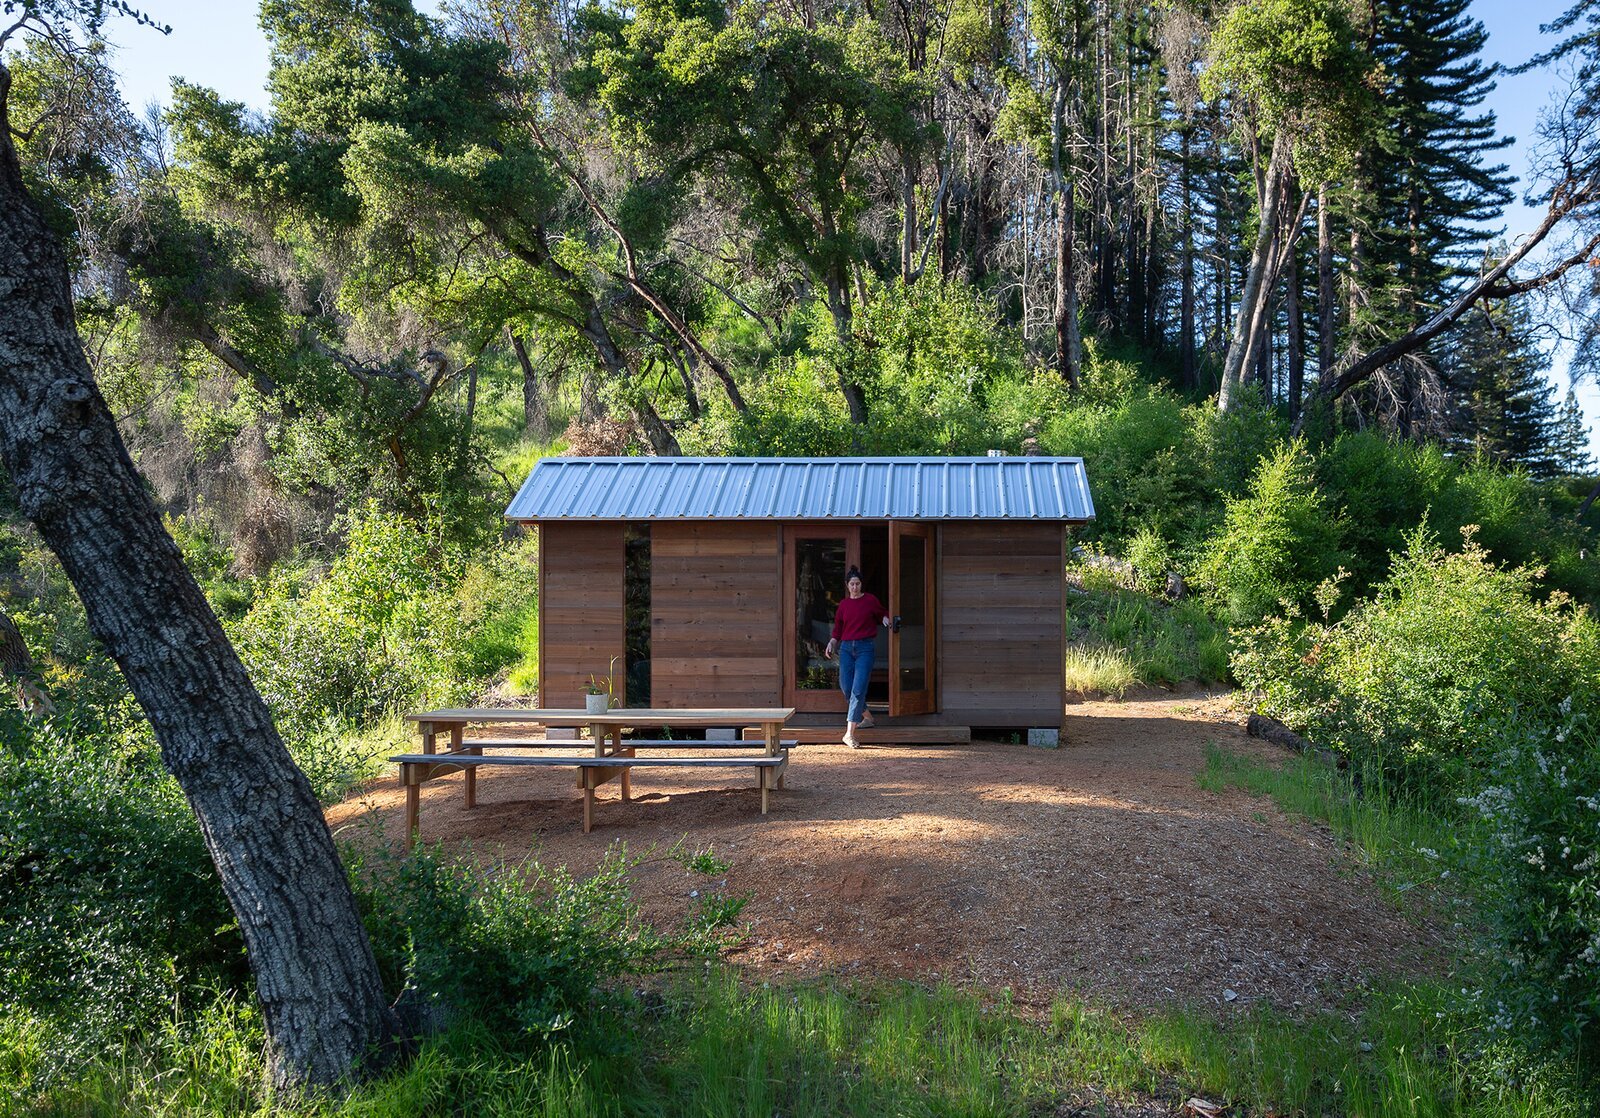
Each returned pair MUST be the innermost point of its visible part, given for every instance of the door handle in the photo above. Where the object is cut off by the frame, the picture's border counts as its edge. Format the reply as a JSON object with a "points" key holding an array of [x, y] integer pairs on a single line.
{"points": [[896, 626]]}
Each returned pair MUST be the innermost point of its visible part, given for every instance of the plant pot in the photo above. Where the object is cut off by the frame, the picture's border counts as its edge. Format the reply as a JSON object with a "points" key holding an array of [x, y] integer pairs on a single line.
{"points": [[596, 704]]}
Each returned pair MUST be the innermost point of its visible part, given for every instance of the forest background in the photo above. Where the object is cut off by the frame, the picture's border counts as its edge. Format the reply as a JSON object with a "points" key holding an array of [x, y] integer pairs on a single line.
{"points": [[335, 333]]}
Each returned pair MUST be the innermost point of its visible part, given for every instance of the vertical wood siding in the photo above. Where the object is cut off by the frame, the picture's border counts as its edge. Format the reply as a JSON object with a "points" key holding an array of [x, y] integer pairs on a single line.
{"points": [[1000, 621], [581, 611], [715, 626]]}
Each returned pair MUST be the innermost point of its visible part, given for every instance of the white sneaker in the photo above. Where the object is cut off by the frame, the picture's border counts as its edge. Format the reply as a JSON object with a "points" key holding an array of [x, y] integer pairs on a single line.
{"points": [[850, 740]]}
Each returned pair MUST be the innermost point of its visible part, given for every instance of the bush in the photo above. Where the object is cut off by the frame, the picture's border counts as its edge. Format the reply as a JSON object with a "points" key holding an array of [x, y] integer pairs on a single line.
{"points": [[1382, 489], [398, 619], [1537, 866], [110, 908], [1276, 543], [514, 947], [1407, 678]]}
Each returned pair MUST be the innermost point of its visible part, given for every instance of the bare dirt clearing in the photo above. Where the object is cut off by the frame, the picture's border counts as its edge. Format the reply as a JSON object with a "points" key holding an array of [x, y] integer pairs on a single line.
{"points": [[1100, 867]]}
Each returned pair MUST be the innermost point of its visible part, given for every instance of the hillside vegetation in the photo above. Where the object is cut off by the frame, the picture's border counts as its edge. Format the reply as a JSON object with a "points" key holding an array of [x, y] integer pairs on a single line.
{"points": [[336, 333]]}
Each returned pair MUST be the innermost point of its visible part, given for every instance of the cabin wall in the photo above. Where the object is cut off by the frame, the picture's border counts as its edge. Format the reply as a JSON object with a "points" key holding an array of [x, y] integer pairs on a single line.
{"points": [[1001, 606], [715, 621], [581, 619]]}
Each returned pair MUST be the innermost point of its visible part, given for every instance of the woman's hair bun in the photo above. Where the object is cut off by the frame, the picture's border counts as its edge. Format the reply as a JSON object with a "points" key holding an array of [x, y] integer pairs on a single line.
{"points": [[853, 572]]}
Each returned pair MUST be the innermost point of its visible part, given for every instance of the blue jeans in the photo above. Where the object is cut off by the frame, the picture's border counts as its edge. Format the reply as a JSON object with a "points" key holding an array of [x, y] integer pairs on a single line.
{"points": [[855, 669]]}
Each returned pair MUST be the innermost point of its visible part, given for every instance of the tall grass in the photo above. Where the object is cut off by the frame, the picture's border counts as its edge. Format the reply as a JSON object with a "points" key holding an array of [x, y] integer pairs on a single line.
{"points": [[1091, 668], [1401, 837], [1161, 642], [716, 1047]]}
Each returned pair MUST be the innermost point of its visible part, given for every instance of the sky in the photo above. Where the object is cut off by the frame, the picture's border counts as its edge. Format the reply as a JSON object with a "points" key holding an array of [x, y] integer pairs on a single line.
{"points": [[217, 43]]}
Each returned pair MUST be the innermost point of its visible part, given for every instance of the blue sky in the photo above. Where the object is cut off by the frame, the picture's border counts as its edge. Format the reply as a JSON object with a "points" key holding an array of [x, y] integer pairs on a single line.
{"points": [[217, 43]]}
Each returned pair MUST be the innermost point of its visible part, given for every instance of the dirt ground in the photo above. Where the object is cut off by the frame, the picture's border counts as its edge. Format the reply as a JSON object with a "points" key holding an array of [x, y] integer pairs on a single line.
{"points": [[1099, 867]]}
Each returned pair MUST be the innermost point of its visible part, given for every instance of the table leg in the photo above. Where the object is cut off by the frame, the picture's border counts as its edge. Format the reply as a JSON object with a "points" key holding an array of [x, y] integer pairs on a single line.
{"points": [[471, 775], [770, 731], [588, 800], [627, 773], [412, 805], [764, 789], [427, 736]]}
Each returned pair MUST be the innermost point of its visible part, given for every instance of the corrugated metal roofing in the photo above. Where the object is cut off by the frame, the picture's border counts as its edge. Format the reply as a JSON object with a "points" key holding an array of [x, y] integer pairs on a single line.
{"points": [[805, 489]]}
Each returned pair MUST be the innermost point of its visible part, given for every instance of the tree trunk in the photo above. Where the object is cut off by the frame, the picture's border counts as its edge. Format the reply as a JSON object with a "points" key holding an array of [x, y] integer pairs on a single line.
{"points": [[908, 219], [839, 307], [1327, 299], [1186, 355], [1068, 360], [1255, 278], [321, 999], [1297, 338], [535, 412]]}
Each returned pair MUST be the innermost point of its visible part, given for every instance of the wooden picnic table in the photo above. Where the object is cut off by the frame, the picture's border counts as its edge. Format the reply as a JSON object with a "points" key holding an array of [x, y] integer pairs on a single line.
{"points": [[605, 734]]}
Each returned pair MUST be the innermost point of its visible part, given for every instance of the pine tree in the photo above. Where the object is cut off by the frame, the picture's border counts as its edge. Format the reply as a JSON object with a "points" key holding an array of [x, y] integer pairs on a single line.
{"points": [[1432, 197], [1572, 439], [1505, 409]]}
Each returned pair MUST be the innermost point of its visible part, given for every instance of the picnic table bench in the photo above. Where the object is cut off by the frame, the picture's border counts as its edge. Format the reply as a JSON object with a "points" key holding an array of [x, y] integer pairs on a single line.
{"points": [[611, 758]]}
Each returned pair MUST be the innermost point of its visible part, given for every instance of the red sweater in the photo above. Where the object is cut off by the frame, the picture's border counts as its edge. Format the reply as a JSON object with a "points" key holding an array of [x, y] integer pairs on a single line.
{"points": [[857, 619]]}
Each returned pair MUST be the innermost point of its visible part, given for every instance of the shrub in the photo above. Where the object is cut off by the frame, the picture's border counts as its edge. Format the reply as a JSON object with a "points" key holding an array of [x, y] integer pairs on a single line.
{"points": [[1151, 556], [398, 619], [1406, 678], [515, 947], [1382, 488], [1537, 865], [110, 909], [1276, 543]]}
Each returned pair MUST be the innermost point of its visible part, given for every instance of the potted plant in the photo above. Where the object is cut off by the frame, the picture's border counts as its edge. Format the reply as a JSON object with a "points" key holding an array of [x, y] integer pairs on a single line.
{"points": [[600, 694]]}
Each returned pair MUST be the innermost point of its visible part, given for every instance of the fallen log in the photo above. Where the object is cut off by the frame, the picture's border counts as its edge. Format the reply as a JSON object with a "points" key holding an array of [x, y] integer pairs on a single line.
{"points": [[1270, 729]]}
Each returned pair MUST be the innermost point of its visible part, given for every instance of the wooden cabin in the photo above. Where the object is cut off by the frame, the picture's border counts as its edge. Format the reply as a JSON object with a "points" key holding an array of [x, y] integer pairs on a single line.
{"points": [[712, 582]]}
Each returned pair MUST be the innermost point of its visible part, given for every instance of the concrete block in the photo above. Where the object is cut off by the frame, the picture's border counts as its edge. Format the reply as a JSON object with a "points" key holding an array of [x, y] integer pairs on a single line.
{"points": [[1046, 738], [722, 733], [561, 733]]}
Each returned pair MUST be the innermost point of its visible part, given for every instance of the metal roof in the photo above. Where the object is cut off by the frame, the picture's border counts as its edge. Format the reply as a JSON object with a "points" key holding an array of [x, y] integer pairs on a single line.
{"points": [[805, 489]]}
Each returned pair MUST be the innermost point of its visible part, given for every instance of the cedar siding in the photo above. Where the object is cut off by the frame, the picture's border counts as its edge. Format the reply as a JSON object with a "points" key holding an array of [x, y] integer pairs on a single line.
{"points": [[581, 624], [715, 614], [1001, 624]]}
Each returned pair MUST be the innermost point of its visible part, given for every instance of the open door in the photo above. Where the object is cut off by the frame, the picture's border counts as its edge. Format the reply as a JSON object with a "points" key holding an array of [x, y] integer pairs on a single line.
{"points": [[815, 559], [912, 668]]}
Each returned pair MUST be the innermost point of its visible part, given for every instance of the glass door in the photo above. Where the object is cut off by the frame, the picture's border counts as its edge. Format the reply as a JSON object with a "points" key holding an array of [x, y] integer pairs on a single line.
{"points": [[815, 560], [912, 643]]}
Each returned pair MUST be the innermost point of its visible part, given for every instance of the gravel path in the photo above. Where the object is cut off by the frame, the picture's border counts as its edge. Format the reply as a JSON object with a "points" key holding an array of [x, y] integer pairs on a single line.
{"points": [[1100, 867]]}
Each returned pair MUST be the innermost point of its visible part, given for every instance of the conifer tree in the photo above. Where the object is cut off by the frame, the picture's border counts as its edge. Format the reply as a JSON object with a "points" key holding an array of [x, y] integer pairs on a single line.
{"points": [[1433, 195], [1505, 408], [1572, 439]]}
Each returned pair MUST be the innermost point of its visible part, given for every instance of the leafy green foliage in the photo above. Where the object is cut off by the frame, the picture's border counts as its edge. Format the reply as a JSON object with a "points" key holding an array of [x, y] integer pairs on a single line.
{"points": [[522, 948], [398, 619], [1537, 865], [1159, 642], [1276, 543], [1409, 680], [110, 911], [1298, 64]]}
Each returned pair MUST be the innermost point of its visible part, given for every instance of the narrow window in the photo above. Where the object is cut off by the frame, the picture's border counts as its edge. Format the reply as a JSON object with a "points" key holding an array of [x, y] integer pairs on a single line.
{"points": [[636, 609]]}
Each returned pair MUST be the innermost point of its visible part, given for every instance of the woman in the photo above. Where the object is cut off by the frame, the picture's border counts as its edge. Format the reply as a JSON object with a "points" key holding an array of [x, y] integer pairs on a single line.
{"points": [[855, 624]]}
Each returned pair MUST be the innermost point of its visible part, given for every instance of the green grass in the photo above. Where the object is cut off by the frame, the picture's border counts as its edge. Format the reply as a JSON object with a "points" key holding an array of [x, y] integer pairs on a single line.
{"points": [[1099, 668], [714, 1047], [1398, 838], [1164, 642]]}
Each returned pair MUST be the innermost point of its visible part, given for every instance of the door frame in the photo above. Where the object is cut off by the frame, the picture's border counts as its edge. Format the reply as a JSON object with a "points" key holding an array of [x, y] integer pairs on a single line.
{"points": [[831, 700], [925, 701]]}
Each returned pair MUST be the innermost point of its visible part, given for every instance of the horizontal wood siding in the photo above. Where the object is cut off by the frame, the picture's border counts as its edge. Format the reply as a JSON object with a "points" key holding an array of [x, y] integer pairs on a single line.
{"points": [[1000, 624], [581, 611], [715, 629]]}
